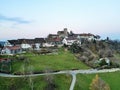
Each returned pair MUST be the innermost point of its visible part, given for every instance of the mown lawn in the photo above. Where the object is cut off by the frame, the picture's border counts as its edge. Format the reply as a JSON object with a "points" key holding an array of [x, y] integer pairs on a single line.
{"points": [[84, 80], [62, 82], [64, 60]]}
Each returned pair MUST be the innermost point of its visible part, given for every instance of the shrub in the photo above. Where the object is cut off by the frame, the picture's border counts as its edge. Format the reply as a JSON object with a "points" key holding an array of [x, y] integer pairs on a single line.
{"points": [[84, 58], [75, 48], [102, 62], [101, 53], [108, 53]]}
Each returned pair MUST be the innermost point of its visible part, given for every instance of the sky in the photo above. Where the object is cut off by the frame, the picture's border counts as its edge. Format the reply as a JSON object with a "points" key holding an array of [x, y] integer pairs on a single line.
{"points": [[38, 18]]}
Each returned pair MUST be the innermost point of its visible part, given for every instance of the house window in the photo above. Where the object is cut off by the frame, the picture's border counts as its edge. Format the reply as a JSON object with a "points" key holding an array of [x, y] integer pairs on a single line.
{"points": [[15, 51], [11, 51]]}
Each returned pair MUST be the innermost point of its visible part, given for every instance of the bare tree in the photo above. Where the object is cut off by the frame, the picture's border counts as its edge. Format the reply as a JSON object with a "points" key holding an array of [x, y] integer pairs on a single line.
{"points": [[101, 53], [31, 83], [49, 78], [28, 69]]}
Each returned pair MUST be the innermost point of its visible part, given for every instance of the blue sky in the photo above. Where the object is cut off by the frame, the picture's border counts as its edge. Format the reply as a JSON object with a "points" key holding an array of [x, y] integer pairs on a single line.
{"points": [[38, 18]]}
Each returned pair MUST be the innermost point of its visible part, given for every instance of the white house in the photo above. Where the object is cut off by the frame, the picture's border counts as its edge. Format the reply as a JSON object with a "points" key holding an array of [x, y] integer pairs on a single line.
{"points": [[25, 46], [87, 36], [48, 45], [11, 50], [70, 40]]}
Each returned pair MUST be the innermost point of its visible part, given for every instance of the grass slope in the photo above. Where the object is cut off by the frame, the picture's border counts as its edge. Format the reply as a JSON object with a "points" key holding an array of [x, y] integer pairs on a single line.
{"points": [[84, 80], [62, 82], [61, 61]]}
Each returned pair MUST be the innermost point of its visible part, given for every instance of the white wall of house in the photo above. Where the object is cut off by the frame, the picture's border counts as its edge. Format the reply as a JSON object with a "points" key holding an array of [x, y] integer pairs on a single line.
{"points": [[68, 42], [26, 46], [91, 38], [48, 45], [7, 51], [37, 46], [64, 41], [88, 37]]}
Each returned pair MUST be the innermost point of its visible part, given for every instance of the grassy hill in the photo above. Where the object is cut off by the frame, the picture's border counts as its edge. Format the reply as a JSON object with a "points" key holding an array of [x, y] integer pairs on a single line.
{"points": [[64, 60]]}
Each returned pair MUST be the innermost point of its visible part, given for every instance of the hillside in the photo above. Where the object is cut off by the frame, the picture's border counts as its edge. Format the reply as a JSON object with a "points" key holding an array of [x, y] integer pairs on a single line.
{"points": [[97, 54], [62, 60]]}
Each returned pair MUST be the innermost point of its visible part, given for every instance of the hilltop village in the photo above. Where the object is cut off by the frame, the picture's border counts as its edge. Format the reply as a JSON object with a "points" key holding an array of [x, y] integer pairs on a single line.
{"points": [[61, 38], [86, 47]]}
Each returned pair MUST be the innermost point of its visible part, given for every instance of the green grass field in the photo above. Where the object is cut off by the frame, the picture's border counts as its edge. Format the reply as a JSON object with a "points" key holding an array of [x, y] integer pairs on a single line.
{"points": [[62, 82], [64, 60], [84, 80], [61, 61]]}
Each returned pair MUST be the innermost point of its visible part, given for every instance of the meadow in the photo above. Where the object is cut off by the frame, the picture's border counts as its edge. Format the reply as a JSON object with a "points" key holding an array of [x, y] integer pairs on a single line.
{"points": [[63, 60], [84, 80]]}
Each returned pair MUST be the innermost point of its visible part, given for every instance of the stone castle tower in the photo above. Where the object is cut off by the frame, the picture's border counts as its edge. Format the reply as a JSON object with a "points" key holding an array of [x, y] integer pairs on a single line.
{"points": [[65, 32]]}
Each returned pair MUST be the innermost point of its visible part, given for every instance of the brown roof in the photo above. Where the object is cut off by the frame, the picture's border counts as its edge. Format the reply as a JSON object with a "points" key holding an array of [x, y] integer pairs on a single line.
{"points": [[12, 47], [39, 40], [71, 38], [52, 35], [28, 41], [86, 34], [60, 32], [56, 39]]}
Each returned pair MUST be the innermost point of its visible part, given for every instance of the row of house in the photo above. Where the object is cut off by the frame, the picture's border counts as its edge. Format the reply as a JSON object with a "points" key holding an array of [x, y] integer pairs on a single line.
{"points": [[7, 48], [61, 38], [18, 46]]}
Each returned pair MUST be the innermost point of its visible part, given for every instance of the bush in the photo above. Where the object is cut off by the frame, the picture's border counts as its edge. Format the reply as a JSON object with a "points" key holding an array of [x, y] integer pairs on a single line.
{"points": [[21, 57], [102, 62], [75, 48], [84, 58], [91, 57], [108, 53]]}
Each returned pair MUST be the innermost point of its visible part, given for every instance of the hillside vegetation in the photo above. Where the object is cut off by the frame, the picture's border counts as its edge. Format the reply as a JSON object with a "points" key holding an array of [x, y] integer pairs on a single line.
{"points": [[94, 53]]}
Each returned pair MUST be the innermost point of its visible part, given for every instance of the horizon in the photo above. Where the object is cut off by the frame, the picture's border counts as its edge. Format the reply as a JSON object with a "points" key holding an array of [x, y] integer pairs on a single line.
{"points": [[101, 37], [31, 19]]}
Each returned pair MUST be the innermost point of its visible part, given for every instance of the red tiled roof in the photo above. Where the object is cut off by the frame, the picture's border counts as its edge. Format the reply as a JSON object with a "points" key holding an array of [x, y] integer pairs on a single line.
{"points": [[12, 47], [57, 39]]}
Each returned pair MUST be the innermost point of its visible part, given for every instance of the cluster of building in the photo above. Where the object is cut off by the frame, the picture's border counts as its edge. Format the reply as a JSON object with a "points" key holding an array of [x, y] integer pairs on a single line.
{"points": [[61, 38]]}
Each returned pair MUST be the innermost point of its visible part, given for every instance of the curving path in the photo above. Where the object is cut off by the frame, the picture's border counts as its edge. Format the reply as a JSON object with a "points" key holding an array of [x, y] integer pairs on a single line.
{"points": [[73, 81], [89, 71], [71, 72]]}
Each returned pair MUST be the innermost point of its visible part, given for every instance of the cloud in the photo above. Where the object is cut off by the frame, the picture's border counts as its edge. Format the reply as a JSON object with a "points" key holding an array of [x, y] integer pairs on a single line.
{"points": [[17, 20]]}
